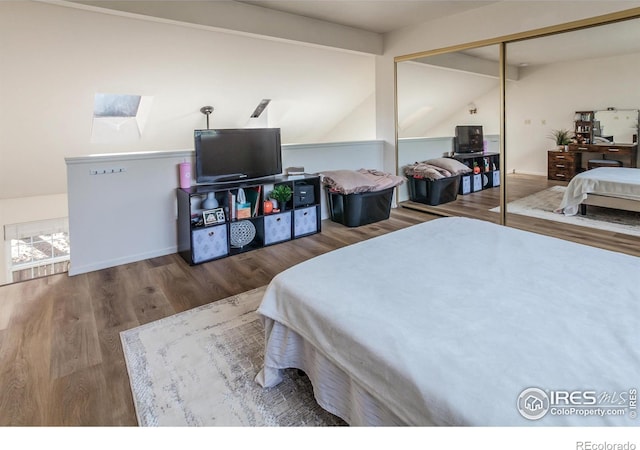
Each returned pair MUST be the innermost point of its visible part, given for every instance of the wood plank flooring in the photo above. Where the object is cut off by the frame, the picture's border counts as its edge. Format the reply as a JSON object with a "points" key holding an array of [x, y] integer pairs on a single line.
{"points": [[61, 361], [478, 204]]}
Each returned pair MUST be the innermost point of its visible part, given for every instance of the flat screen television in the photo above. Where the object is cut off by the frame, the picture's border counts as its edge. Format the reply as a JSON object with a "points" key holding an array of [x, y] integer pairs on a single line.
{"points": [[469, 139], [235, 154]]}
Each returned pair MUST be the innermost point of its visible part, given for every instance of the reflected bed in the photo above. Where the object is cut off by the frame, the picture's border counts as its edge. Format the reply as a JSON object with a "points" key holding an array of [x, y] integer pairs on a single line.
{"points": [[610, 187]]}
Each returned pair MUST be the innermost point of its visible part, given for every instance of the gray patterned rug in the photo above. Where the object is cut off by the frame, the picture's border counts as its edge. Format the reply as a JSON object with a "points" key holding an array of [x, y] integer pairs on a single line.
{"points": [[197, 368], [542, 204]]}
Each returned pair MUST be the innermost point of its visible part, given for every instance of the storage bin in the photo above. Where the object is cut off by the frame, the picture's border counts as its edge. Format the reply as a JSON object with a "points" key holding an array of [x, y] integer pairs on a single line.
{"points": [[434, 192], [363, 208], [305, 221], [490, 179], [476, 182], [277, 227], [465, 185], [209, 243]]}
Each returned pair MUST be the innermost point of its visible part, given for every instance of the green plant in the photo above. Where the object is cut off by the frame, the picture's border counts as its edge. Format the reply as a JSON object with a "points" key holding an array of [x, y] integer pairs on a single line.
{"points": [[281, 193], [561, 137]]}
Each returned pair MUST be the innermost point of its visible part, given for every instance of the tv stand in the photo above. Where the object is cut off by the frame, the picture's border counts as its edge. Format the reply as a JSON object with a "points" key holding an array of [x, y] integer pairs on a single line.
{"points": [[235, 183], [488, 172], [199, 242]]}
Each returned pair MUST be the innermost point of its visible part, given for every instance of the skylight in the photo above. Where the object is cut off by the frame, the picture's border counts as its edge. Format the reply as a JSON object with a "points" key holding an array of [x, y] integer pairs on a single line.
{"points": [[119, 118], [114, 105]]}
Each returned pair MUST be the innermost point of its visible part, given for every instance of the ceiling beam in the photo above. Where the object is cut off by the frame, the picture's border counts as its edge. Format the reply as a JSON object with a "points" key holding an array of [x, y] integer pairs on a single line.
{"points": [[240, 18]]}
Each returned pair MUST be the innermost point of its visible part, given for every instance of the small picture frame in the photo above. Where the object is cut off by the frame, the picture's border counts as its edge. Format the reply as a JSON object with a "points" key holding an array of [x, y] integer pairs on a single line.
{"points": [[213, 216]]}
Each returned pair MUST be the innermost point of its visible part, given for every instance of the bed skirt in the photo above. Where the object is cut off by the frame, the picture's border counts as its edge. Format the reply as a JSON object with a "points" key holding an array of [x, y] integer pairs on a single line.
{"points": [[334, 390]]}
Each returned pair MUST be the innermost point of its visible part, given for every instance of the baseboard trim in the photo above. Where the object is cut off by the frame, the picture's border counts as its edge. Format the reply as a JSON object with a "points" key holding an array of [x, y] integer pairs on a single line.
{"points": [[524, 172], [78, 270]]}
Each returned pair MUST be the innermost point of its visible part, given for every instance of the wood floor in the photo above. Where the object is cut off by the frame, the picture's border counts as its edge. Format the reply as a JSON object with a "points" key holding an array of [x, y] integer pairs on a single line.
{"points": [[61, 361], [478, 204]]}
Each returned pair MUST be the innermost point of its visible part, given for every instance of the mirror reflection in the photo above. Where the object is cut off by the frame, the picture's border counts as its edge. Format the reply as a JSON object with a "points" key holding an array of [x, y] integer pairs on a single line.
{"points": [[571, 107], [448, 130], [571, 125], [619, 126]]}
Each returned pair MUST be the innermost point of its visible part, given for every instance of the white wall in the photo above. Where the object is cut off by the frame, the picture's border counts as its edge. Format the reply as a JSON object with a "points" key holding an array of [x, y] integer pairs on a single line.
{"points": [[60, 57], [432, 100], [57, 58], [487, 115], [546, 97], [360, 118], [131, 215]]}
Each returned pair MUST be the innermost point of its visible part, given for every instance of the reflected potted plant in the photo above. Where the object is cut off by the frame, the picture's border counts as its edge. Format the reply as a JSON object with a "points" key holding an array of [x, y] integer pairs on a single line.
{"points": [[561, 137], [282, 194]]}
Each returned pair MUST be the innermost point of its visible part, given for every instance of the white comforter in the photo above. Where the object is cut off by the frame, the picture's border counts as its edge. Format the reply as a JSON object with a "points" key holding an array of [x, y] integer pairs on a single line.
{"points": [[621, 182], [447, 322]]}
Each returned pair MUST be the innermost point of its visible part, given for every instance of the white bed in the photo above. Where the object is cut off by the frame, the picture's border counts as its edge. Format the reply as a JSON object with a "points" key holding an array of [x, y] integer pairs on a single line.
{"points": [[611, 187], [448, 322]]}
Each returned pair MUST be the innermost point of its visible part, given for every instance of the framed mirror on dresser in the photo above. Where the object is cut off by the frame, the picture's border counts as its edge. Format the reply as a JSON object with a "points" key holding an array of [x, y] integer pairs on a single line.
{"points": [[606, 138], [618, 126]]}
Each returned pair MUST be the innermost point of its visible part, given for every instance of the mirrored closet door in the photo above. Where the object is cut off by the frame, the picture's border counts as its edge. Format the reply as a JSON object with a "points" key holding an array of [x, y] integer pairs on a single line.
{"points": [[565, 103], [582, 84], [449, 106]]}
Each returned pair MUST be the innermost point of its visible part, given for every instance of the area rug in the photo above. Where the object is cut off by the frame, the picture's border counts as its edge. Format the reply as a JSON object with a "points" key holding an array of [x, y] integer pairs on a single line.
{"points": [[543, 203], [197, 368]]}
